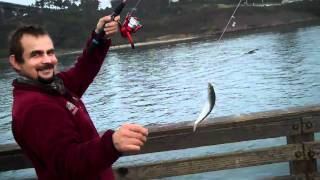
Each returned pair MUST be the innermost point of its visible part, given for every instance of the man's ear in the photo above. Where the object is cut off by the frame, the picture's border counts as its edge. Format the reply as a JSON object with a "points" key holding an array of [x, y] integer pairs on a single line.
{"points": [[14, 63]]}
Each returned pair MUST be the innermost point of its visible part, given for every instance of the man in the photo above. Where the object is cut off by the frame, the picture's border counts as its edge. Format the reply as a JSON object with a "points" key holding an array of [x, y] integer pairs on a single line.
{"points": [[50, 122]]}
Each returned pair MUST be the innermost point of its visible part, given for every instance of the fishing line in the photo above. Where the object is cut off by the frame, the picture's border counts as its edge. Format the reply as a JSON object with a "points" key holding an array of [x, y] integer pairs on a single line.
{"points": [[226, 27], [135, 7], [211, 93], [231, 17]]}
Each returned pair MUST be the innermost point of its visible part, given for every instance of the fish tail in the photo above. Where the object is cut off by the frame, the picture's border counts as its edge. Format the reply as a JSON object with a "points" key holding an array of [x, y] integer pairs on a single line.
{"points": [[194, 127]]}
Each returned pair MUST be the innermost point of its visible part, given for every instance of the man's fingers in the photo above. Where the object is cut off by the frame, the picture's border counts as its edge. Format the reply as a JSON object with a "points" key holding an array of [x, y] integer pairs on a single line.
{"points": [[111, 24], [117, 18], [110, 28], [106, 19], [106, 22], [136, 142], [103, 21], [138, 129], [130, 137], [135, 135], [132, 148]]}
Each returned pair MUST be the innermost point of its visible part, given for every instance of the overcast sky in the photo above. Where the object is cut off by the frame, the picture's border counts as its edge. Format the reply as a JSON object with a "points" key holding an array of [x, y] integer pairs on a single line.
{"points": [[103, 3]]}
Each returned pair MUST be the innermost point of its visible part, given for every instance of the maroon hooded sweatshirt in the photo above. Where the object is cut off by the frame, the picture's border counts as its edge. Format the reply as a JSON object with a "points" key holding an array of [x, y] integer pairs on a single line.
{"points": [[56, 132]]}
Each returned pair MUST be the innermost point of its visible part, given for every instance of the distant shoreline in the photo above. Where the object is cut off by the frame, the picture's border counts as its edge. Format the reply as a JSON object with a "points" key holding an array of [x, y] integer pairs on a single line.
{"points": [[178, 38], [174, 38]]}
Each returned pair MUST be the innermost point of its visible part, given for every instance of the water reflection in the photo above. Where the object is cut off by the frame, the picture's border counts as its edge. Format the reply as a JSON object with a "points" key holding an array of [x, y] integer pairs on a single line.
{"points": [[168, 83]]}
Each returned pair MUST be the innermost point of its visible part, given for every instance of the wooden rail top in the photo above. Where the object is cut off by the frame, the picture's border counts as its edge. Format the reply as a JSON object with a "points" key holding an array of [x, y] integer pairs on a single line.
{"points": [[234, 120], [219, 130], [229, 129], [225, 123]]}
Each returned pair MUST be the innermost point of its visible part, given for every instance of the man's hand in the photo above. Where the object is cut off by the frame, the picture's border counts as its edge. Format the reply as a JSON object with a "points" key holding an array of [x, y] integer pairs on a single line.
{"points": [[129, 137], [110, 27]]}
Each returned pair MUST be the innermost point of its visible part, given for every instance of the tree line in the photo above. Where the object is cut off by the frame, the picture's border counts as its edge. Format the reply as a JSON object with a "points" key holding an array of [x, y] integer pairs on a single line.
{"points": [[67, 4], [70, 21]]}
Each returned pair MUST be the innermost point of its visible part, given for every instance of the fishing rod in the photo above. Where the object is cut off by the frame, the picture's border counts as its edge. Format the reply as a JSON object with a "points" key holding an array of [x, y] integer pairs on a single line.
{"points": [[130, 25]]}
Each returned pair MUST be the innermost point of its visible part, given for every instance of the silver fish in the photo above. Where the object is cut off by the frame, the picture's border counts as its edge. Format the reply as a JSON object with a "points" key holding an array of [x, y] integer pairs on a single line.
{"points": [[207, 108]]}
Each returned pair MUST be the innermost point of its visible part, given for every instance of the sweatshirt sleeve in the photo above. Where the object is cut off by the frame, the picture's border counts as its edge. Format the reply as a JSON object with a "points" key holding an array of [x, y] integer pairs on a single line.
{"points": [[55, 140], [78, 78]]}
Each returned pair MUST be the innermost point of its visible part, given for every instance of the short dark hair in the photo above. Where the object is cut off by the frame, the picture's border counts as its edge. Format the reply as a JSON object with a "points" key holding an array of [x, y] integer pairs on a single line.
{"points": [[15, 46]]}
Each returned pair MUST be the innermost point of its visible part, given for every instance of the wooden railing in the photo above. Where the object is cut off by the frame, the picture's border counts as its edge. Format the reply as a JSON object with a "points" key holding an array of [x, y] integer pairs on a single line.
{"points": [[298, 125]]}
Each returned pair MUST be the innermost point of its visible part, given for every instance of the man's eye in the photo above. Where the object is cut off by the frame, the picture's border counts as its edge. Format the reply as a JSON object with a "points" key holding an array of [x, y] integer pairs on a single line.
{"points": [[36, 54], [50, 52]]}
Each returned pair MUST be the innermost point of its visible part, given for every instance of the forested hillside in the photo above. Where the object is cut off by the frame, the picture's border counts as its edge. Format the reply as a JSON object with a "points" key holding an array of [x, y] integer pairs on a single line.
{"points": [[70, 21]]}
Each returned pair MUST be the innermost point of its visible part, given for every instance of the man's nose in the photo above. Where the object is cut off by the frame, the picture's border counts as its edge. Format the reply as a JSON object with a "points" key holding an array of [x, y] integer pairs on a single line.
{"points": [[47, 59]]}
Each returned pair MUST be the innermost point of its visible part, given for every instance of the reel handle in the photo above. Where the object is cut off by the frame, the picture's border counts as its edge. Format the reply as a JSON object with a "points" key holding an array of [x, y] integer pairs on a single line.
{"points": [[130, 39]]}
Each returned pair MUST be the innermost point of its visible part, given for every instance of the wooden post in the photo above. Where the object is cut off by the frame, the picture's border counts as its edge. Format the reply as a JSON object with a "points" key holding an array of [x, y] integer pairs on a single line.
{"points": [[307, 166]]}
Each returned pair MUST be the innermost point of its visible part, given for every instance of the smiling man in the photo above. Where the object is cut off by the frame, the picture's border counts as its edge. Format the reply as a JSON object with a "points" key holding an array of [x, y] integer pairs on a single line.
{"points": [[49, 120], [35, 56]]}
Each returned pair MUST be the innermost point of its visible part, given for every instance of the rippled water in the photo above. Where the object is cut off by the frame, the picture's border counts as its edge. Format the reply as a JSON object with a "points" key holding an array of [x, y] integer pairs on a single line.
{"points": [[168, 83]]}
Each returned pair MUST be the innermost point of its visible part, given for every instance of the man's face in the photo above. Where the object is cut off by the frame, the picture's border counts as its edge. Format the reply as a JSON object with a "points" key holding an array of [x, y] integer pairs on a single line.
{"points": [[39, 58]]}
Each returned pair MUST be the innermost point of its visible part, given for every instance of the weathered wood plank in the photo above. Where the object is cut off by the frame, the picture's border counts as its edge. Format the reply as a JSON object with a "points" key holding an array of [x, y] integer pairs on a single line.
{"points": [[229, 129], [244, 123], [210, 163], [311, 123], [219, 133], [273, 115], [305, 166], [289, 177], [314, 176], [14, 162], [214, 131], [6, 149], [313, 149], [12, 158]]}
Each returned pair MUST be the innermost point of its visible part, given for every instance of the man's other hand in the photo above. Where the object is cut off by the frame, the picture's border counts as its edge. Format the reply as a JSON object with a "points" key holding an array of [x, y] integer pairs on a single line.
{"points": [[129, 137]]}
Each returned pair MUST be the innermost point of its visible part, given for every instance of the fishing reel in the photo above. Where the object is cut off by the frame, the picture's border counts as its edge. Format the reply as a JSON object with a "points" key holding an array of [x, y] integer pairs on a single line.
{"points": [[130, 25]]}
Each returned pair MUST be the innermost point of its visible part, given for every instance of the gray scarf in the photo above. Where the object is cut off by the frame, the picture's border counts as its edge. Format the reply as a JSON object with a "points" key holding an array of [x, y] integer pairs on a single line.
{"points": [[56, 86]]}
